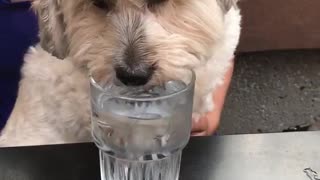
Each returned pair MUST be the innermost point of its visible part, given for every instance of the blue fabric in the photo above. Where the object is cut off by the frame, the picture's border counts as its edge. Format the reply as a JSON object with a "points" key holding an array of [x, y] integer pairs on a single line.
{"points": [[18, 30], [4, 2]]}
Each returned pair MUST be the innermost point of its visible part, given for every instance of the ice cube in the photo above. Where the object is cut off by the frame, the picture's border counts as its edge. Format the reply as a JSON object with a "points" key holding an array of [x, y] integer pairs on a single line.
{"points": [[168, 88], [157, 91], [134, 110], [126, 91], [174, 86]]}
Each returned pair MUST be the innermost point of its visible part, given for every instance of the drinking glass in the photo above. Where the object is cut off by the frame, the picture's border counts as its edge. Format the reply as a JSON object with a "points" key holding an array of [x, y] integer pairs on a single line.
{"points": [[141, 136]]}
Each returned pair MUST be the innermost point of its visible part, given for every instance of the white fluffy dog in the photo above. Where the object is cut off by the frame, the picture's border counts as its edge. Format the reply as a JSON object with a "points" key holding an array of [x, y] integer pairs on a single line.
{"points": [[139, 42]]}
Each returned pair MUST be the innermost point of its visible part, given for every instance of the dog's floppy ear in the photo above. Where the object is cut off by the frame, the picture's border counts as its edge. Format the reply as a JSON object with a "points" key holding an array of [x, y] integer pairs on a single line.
{"points": [[51, 27], [226, 5]]}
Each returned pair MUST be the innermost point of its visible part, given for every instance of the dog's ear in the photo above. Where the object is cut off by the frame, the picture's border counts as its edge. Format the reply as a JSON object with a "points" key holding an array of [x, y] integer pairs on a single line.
{"points": [[51, 27], [226, 5]]}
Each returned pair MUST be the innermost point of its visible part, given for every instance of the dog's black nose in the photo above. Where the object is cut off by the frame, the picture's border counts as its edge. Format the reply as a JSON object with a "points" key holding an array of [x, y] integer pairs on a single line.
{"points": [[137, 76]]}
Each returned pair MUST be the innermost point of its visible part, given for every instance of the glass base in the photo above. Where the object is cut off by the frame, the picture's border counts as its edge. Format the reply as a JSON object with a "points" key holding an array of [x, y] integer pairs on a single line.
{"points": [[113, 168]]}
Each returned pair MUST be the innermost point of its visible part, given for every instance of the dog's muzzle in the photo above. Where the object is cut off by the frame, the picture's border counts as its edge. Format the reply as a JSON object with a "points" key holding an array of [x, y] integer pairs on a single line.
{"points": [[138, 75]]}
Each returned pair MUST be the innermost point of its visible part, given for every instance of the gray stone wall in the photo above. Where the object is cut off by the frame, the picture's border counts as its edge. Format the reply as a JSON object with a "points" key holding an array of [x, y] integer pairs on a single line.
{"points": [[272, 91]]}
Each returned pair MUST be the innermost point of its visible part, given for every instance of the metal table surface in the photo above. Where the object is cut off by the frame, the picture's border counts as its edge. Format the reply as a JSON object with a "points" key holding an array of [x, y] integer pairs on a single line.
{"points": [[282, 156]]}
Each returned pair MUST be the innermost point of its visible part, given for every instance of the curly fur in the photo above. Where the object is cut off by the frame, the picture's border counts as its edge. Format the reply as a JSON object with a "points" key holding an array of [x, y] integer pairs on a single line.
{"points": [[78, 38]]}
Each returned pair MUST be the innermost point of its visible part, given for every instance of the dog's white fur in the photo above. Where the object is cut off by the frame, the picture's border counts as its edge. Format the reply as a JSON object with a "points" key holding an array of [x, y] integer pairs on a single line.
{"points": [[53, 101]]}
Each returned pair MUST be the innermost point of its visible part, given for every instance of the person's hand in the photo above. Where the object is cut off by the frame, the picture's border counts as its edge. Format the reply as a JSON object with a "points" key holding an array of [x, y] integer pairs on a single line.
{"points": [[208, 124]]}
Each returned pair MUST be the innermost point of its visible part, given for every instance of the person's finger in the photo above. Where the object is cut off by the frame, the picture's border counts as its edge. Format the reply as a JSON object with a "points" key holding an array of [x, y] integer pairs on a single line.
{"points": [[208, 124], [204, 133], [200, 125], [219, 99]]}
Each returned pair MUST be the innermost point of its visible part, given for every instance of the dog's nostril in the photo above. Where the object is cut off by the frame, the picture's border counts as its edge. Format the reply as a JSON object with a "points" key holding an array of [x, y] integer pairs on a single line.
{"points": [[138, 77]]}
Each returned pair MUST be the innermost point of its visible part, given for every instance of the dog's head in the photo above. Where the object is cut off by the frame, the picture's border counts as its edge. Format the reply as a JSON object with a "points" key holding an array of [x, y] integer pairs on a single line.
{"points": [[139, 42]]}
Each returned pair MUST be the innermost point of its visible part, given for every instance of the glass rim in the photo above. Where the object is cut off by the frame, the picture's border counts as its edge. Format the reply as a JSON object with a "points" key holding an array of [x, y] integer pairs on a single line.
{"points": [[189, 86]]}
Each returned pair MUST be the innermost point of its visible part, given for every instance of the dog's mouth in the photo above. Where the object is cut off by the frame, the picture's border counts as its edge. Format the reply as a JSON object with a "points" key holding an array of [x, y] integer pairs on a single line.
{"points": [[117, 88], [137, 77]]}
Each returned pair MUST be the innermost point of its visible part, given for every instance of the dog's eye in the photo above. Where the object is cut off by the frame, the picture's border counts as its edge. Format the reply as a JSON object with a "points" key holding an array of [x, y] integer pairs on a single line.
{"points": [[152, 3], [102, 4]]}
